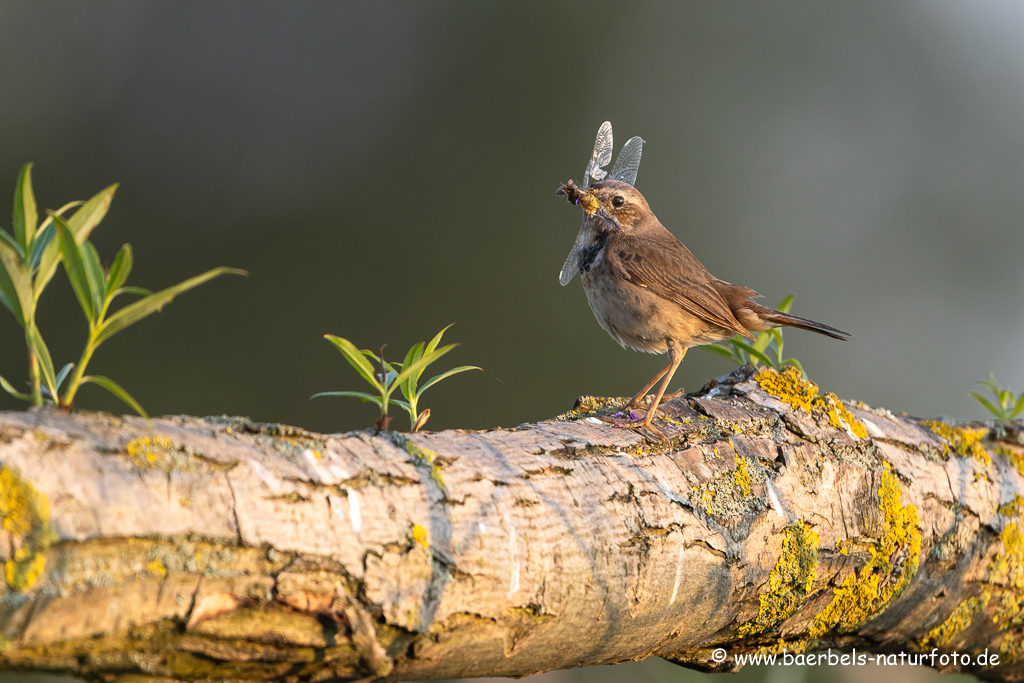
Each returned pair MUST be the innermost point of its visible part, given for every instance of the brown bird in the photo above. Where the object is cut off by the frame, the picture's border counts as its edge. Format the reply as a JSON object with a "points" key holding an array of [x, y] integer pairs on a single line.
{"points": [[646, 289]]}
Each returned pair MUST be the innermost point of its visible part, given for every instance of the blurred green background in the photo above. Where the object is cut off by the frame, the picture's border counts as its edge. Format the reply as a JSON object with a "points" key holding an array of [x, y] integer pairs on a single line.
{"points": [[386, 168]]}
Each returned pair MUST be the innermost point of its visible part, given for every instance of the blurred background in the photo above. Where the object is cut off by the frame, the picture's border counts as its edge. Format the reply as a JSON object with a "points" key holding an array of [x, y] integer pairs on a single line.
{"points": [[384, 169]]}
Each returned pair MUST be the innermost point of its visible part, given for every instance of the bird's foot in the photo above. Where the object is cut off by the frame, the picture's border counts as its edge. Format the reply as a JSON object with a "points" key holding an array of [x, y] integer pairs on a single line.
{"points": [[644, 421]]}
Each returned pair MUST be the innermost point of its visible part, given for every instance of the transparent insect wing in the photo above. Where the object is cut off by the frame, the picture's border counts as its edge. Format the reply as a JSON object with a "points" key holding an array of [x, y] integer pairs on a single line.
{"points": [[601, 156], [628, 162], [572, 261]]}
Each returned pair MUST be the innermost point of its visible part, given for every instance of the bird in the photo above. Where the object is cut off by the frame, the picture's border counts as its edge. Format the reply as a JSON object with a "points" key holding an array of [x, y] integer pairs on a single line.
{"points": [[650, 293]]}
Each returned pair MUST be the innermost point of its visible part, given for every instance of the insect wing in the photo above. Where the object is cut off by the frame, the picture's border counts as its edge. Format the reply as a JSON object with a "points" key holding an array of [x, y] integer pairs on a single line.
{"points": [[601, 156], [628, 162], [572, 261]]}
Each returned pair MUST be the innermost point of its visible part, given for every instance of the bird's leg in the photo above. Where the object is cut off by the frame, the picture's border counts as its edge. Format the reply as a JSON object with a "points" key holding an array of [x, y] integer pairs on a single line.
{"points": [[635, 401], [675, 358]]}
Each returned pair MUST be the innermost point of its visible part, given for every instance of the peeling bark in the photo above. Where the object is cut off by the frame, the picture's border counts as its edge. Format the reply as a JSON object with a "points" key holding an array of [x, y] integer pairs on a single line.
{"points": [[773, 519]]}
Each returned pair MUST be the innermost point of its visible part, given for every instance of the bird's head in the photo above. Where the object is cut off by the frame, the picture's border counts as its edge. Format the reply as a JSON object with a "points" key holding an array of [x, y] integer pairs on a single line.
{"points": [[611, 199]]}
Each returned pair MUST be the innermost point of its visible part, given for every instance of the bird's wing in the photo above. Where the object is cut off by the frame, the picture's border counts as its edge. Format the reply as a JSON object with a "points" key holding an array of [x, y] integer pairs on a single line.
{"points": [[667, 268]]}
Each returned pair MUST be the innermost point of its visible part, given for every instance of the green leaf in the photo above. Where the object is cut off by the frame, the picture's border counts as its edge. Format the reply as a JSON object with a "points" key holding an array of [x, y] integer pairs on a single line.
{"points": [[114, 388], [94, 273], [763, 340], [988, 405], [8, 242], [414, 354], [436, 340], [404, 404], [74, 265], [81, 224], [991, 383], [140, 291], [25, 215], [423, 362], [38, 347], [434, 380], [62, 375], [719, 350], [754, 353], [11, 288], [356, 359], [134, 312], [12, 391], [120, 269], [1018, 407], [786, 304], [366, 398], [42, 240]]}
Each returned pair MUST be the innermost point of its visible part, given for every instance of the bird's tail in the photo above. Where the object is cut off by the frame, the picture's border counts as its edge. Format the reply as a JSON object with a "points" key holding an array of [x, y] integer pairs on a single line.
{"points": [[778, 318]]}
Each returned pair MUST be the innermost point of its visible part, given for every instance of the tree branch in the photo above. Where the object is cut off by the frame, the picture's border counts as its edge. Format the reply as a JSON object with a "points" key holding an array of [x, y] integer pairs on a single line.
{"points": [[774, 519]]}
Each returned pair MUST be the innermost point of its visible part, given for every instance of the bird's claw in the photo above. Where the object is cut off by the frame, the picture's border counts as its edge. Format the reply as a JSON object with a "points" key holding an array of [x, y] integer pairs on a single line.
{"points": [[640, 422]]}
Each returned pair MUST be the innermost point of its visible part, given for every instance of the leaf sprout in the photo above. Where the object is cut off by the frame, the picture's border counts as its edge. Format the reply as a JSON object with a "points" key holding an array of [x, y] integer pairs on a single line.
{"points": [[388, 377], [1007, 406]]}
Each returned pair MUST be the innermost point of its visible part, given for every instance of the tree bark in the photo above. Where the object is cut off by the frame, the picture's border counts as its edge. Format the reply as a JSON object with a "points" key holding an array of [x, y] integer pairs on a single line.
{"points": [[773, 520]]}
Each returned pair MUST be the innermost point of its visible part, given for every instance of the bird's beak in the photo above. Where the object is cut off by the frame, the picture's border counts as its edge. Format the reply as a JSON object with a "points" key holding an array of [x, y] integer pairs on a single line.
{"points": [[579, 197]]}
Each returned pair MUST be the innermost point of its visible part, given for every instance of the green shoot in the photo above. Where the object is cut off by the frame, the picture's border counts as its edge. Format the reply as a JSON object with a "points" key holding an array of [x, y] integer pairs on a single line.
{"points": [[28, 261], [1007, 406], [403, 376], [767, 348], [96, 290]]}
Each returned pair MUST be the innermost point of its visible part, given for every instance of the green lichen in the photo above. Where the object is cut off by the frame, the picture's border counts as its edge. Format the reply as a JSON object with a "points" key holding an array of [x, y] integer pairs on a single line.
{"points": [[427, 457], [789, 582], [790, 387], [729, 493], [1008, 566], [961, 618], [964, 441], [892, 565], [26, 517]]}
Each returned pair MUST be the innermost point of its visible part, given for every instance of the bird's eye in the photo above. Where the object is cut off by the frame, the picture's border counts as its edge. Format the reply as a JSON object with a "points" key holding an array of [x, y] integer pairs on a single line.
{"points": [[618, 200]]}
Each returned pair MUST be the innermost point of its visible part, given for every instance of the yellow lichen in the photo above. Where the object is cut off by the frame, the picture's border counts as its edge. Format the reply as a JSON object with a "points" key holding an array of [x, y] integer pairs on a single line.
{"points": [[742, 476], [26, 517], [790, 580], [962, 617], [1008, 567], [893, 563], [1009, 612], [1013, 508], [964, 441], [157, 567], [421, 535], [788, 385], [838, 416], [146, 452], [792, 388]]}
